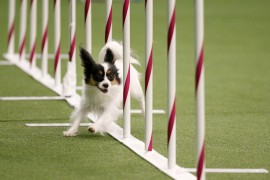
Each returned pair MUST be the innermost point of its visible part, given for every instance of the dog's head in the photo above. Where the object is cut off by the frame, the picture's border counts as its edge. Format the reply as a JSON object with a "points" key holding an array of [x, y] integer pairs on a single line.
{"points": [[104, 75]]}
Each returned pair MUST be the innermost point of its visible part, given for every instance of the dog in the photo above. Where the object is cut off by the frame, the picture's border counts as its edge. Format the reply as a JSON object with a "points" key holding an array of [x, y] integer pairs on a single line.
{"points": [[103, 88]]}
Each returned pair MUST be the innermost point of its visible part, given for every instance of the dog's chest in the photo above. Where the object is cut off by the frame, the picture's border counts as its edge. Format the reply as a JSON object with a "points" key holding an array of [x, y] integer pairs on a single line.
{"points": [[95, 98]]}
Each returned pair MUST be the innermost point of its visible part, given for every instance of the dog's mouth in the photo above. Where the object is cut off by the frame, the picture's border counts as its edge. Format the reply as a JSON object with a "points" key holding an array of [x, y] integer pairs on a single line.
{"points": [[103, 90]]}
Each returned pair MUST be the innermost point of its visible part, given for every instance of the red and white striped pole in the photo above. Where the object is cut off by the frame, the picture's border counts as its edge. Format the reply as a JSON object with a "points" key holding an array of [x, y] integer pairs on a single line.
{"points": [[126, 67], [70, 79], [108, 31], [88, 25], [33, 32], [57, 59], [148, 74], [11, 27], [72, 27], [200, 104], [44, 43], [23, 23], [171, 84]]}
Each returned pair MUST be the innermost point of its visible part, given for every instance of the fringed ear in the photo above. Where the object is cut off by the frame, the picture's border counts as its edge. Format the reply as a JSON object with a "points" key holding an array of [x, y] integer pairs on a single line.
{"points": [[87, 59], [109, 56], [88, 63]]}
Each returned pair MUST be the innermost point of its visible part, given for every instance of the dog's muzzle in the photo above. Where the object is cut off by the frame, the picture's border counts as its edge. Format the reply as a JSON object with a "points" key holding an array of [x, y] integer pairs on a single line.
{"points": [[105, 88]]}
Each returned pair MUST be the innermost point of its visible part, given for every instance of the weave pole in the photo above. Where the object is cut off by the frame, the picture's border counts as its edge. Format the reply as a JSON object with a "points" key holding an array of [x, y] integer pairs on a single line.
{"points": [[126, 67], [33, 32], [57, 59], [70, 79], [23, 22], [108, 31], [11, 27], [200, 104], [88, 25], [148, 75], [72, 29], [171, 84], [44, 41]]}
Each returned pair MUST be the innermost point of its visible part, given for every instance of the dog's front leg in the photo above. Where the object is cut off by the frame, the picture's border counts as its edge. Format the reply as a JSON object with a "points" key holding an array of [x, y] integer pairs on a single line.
{"points": [[100, 125], [109, 115], [76, 118]]}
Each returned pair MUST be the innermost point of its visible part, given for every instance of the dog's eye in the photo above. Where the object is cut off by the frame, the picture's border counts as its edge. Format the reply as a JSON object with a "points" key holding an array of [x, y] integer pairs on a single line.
{"points": [[98, 77], [110, 76]]}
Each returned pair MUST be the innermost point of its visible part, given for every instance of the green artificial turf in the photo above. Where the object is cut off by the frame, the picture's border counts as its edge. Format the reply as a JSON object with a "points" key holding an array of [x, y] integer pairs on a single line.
{"points": [[237, 83]]}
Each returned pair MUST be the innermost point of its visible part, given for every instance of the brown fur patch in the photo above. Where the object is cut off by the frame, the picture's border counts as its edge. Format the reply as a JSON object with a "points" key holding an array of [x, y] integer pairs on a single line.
{"points": [[108, 72], [92, 82], [100, 72], [115, 81]]}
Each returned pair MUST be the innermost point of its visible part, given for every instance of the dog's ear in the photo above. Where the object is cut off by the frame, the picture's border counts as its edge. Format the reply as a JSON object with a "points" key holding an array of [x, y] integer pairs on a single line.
{"points": [[88, 63], [87, 60], [109, 56]]}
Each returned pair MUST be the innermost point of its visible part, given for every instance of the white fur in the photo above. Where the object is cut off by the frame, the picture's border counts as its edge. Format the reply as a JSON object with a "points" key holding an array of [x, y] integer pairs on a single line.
{"points": [[107, 106]]}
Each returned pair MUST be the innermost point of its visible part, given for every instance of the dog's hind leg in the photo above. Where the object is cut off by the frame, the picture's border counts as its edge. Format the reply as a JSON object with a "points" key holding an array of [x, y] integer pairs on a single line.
{"points": [[76, 118]]}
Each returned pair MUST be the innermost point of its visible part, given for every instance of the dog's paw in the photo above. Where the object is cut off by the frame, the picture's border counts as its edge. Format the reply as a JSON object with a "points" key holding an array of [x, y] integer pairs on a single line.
{"points": [[92, 129], [95, 129], [69, 134]]}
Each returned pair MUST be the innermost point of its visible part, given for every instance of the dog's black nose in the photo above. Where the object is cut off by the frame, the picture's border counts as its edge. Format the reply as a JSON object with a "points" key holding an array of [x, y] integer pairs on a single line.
{"points": [[106, 85]]}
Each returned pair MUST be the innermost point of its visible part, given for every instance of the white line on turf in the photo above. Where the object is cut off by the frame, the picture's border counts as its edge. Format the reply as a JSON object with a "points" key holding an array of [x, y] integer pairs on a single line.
{"points": [[229, 170], [5, 63], [53, 124], [79, 87], [47, 98], [31, 98]]}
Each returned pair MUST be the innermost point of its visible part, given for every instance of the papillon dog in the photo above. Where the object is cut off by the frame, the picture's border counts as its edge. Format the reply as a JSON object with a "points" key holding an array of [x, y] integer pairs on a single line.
{"points": [[103, 88]]}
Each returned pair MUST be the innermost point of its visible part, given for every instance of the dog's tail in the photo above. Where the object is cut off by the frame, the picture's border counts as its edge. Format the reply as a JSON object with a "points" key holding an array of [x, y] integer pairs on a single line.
{"points": [[117, 50]]}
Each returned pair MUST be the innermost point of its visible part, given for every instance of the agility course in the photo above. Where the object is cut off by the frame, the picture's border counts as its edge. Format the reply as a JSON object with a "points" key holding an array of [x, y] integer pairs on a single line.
{"points": [[56, 79]]}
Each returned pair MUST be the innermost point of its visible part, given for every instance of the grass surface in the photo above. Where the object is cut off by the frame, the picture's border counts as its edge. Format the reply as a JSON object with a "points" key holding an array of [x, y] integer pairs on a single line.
{"points": [[237, 61]]}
